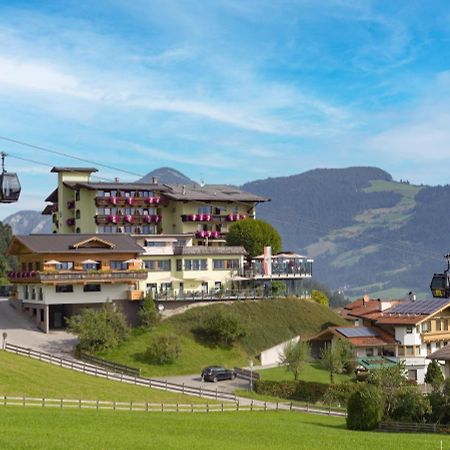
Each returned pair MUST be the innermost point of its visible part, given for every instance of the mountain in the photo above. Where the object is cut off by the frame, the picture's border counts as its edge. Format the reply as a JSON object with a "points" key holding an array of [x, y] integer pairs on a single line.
{"points": [[166, 175], [366, 232], [26, 222]]}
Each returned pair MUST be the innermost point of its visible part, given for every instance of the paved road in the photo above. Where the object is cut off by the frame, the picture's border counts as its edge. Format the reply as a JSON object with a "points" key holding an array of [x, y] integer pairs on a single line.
{"points": [[23, 331], [196, 381]]}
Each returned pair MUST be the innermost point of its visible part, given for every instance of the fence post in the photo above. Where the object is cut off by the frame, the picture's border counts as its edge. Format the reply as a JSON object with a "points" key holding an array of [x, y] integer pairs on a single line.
{"points": [[62, 402], [177, 406], [237, 405], [222, 406], [207, 407], [183, 389], [251, 405], [4, 400], [114, 405], [216, 393], [192, 408], [131, 405], [23, 400], [79, 403], [277, 405], [291, 406], [43, 402], [162, 407], [146, 406], [97, 405]]}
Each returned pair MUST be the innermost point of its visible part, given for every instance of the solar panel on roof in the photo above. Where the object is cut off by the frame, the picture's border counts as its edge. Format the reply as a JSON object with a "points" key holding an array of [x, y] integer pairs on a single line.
{"points": [[353, 332], [419, 306]]}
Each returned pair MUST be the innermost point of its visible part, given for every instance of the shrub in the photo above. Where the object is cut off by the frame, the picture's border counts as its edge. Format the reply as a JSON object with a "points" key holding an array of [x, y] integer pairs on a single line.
{"points": [[99, 329], [292, 390], [339, 394], [278, 288], [319, 297], [409, 405], [163, 349], [434, 374], [221, 328], [365, 408], [148, 314], [295, 356]]}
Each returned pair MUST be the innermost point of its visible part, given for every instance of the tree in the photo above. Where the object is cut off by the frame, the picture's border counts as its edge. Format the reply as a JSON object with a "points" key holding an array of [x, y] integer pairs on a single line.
{"points": [[295, 357], [148, 314], [319, 297], [334, 357], [221, 328], [99, 329], [434, 374], [440, 403], [254, 235], [390, 380], [409, 405], [365, 408], [163, 349]]}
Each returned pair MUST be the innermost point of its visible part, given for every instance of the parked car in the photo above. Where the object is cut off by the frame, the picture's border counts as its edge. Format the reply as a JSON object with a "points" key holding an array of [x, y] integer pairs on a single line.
{"points": [[217, 373]]}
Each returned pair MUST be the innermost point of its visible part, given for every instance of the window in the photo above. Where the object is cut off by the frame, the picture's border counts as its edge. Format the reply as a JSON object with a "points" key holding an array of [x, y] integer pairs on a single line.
{"points": [[118, 265], [92, 288], [225, 264], [408, 330], [426, 327], [438, 324], [417, 350], [77, 214], [25, 292], [438, 345], [38, 265], [63, 288], [445, 324], [428, 349], [91, 266], [179, 265], [41, 294], [418, 329], [195, 264], [369, 351], [66, 265], [77, 196], [409, 350], [401, 350], [158, 265]]}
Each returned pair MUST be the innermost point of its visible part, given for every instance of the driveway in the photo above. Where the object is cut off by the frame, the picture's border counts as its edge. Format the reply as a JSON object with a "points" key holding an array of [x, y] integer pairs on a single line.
{"points": [[196, 381], [23, 331]]}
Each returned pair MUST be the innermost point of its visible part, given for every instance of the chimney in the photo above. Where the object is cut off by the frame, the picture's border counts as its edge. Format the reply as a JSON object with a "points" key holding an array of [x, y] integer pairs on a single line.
{"points": [[365, 299], [154, 180], [412, 296], [116, 180], [183, 189]]}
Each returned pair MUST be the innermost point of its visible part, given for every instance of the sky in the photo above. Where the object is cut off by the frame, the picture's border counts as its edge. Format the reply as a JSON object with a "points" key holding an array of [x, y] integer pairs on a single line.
{"points": [[226, 91]]}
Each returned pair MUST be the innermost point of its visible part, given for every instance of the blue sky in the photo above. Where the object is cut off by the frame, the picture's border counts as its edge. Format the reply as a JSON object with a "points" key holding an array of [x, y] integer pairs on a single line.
{"points": [[226, 91]]}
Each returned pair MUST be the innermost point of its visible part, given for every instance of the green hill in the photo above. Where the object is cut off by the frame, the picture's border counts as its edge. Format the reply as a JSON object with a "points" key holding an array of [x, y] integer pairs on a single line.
{"points": [[366, 232], [24, 376], [266, 323]]}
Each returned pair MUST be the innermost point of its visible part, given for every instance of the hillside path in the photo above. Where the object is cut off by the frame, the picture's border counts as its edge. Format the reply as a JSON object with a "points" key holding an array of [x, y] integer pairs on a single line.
{"points": [[23, 331]]}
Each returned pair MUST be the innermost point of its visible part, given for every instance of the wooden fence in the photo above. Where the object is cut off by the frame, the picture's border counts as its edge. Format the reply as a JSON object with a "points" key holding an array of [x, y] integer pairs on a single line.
{"points": [[91, 369], [404, 427], [250, 405], [114, 367]]}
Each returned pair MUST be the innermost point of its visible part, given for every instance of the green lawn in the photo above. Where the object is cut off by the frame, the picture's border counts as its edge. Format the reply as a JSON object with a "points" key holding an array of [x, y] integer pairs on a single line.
{"points": [[266, 323], [24, 376], [312, 372], [35, 428]]}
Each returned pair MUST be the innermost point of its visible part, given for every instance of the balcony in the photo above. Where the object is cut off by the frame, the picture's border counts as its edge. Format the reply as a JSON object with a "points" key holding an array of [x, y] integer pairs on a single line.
{"points": [[136, 219], [127, 201], [134, 296], [212, 217], [73, 276], [208, 234]]}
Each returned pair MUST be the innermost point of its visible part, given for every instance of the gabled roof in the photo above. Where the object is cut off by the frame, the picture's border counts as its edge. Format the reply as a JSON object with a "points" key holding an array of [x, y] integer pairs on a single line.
{"points": [[413, 312], [76, 243], [442, 354], [358, 336]]}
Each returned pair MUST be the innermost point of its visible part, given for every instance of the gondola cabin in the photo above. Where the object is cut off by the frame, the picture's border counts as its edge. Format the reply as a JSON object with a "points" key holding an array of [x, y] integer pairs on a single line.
{"points": [[9, 185], [440, 284]]}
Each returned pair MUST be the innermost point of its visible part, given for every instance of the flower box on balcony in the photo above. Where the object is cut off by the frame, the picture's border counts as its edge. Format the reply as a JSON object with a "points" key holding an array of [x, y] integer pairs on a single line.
{"points": [[70, 204], [70, 222], [153, 200]]}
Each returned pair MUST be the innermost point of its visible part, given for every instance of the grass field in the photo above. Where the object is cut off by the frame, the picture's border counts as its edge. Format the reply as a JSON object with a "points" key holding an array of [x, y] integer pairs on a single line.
{"points": [[312, 372], [266, 323], [24, 376], [34, 428]]}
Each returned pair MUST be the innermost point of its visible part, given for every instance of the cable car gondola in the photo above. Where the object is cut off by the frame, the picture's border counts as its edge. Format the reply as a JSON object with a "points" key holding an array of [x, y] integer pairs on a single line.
{"points": [[440, 284], [9, 184]]}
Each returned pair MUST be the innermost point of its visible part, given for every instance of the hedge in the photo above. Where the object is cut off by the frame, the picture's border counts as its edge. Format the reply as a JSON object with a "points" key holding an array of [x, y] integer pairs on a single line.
{"points": [[292, 390]]}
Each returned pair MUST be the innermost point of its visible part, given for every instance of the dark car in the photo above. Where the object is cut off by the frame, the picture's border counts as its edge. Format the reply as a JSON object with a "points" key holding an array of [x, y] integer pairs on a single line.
{"points": [[217, 373]]}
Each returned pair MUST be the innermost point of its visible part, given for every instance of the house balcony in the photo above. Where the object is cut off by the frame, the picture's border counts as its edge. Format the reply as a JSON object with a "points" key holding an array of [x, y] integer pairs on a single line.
{"points": [[433, 336], [139, 202], [208, 234], [73, 276], [212, 217], [135, 219], [134, 296]]}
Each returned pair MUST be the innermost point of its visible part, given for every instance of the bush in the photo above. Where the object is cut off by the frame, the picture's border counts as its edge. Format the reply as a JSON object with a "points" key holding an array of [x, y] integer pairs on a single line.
{"points": [[434, 374], [410, 405], [319, 297], [148, 314], [99, 329], [292, 390], [221, 328], [278, 288], [339, 394], [163, 349], [365, 408]]}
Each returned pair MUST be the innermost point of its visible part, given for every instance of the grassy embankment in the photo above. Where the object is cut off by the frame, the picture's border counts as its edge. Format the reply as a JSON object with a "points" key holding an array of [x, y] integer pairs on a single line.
{"points": [[24, 376], [85, 429], [266, 323]]}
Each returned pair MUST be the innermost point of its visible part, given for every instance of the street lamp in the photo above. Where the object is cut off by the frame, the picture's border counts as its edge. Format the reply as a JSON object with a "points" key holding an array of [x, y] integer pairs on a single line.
{"points": [[251, 375], [5, 335]]}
